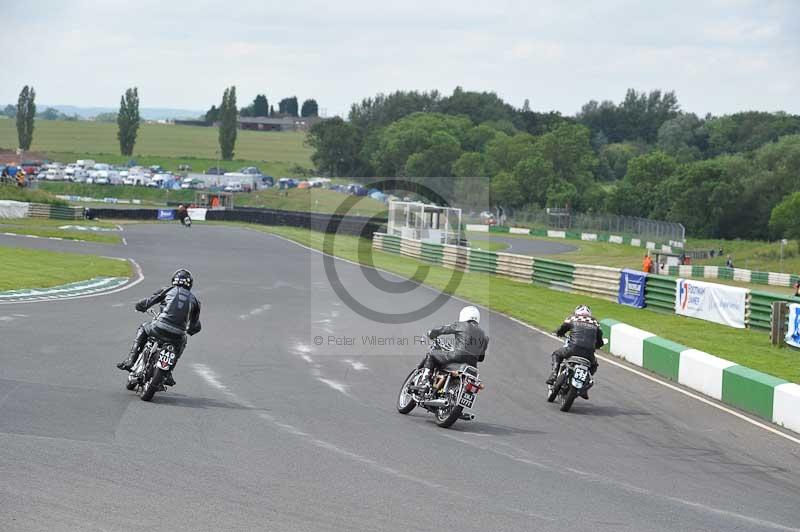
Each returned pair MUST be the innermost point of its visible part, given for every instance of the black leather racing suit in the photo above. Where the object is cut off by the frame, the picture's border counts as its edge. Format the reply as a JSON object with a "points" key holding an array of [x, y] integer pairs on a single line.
{"points": [[469, 345], [180, 313], [585, 336]]}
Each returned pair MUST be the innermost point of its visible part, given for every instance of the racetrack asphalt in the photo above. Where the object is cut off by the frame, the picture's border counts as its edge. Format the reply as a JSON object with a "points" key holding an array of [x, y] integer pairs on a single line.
{"points": [[266, 430]]}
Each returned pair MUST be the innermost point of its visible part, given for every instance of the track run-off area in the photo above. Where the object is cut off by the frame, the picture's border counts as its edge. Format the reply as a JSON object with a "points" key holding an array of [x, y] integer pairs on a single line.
{"points": [[284, 416]]}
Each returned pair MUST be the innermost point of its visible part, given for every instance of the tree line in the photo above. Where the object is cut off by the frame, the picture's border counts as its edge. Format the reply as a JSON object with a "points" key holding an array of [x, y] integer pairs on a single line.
{"points": [[721, 176], [260, 107]]}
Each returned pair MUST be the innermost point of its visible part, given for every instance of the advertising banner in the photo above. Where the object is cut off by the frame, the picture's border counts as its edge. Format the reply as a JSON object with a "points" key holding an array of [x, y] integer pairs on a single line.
{"points": [[793, 332], [711, 302], [197, 214], [631, 288], [166, 214]]}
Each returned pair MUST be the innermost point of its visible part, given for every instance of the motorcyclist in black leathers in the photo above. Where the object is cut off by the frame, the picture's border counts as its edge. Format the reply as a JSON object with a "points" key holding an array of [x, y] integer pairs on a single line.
{"points": [[469, 344], [585, 336], [180, 314]]}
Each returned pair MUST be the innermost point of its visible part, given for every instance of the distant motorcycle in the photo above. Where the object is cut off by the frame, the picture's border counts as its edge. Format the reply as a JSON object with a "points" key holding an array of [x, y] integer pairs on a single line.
{"points": [[186, 221], [148, 373], [573, 377], [451, 396]]}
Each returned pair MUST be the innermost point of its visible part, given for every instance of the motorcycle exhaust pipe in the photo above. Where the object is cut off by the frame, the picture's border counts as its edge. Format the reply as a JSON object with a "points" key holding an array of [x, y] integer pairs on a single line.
{"points": [[435, 403], [468, 417]]}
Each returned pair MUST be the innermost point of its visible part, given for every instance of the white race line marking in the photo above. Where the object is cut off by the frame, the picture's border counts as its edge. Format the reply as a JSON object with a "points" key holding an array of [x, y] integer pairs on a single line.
{"points": [[211, 378], [124, 241], [604, 358], [307, 359], [593, 477], [358, 366], [338, 386]]}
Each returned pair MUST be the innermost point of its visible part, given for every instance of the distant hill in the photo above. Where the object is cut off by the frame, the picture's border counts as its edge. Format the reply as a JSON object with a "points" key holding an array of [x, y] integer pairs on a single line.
{"points": [[148, 113]]}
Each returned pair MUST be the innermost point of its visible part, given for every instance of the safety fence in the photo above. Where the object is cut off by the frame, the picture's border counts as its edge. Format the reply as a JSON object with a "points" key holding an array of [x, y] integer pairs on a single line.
{"points": [[734, 274], [762, 395], [325, 223], [58, 212], [660, 291], [666, 246]]}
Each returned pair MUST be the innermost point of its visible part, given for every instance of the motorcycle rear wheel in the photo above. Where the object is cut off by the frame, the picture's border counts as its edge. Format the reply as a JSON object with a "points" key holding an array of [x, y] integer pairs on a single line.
{"points": [[447, 416], [153, 385], [568, 398]]}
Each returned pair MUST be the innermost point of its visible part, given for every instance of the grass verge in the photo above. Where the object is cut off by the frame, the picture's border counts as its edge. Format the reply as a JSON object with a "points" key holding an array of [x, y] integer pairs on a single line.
{"points": [[546, 308], [33, 268], [15, 193]]}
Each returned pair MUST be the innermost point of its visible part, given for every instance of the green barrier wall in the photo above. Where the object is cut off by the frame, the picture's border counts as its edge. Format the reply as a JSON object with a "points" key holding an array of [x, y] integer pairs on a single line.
{"points": [[761, 308], [749, 390], [482, 261], [499, 229], [553, 273], [432, 252], [662, 356], [659, 293], [391, 243]]}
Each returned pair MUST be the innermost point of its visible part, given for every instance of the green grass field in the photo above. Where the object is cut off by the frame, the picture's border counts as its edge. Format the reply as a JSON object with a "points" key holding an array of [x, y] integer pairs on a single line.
{"points": [[146, 194], [168, 145], [52, 228], [15, 193], [33, 268], [546, 308]]}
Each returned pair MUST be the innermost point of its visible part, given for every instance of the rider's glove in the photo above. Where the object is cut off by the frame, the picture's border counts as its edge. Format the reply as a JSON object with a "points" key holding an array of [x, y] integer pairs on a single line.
{"points": [[141, 306]]}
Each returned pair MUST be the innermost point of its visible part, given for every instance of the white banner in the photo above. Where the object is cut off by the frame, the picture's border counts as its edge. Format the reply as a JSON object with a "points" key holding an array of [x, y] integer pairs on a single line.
{"points": [[589, 236], [478, 227], [615, 239], [519, 231], [13, 209], [557, 234], [711, 302], [197, 214], [793, 332]]}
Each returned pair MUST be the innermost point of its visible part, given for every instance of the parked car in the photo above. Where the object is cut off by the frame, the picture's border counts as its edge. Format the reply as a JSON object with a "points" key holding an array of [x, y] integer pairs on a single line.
{"points": [[267, 181], [355, 189], [193, 183], [215, 170], [184, 168], [233, 186], [287, 183], [250, 170]]}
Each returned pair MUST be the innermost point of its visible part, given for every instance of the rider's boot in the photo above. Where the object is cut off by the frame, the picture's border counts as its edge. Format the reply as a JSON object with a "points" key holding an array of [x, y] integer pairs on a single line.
{"points": [[552, 378], [136, 347], [168, 380]]}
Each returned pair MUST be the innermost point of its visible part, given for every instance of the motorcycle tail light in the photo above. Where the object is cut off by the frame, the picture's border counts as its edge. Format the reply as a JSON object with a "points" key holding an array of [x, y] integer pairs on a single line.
{"points": [[472, 388]]}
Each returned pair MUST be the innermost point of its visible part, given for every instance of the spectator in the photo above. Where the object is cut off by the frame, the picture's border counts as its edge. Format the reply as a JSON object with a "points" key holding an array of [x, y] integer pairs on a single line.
{"points": [[647, 264], [683, 258], [729, 262], [797, 288], [712, 253]]}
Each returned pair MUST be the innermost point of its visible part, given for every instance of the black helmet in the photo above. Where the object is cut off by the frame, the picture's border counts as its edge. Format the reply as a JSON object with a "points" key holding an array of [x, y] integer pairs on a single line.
{"points": [[183, 278]]}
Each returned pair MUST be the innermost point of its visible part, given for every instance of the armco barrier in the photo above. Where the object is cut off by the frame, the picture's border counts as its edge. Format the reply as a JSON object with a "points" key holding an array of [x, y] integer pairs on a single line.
{"points": [[482, 261], [598, 281], [455, 257], [517, 267], [737, 274], [431, 253], [763, 395], [325, 223], [57, 212], [553, 273], [760, 308], [659, 293]]}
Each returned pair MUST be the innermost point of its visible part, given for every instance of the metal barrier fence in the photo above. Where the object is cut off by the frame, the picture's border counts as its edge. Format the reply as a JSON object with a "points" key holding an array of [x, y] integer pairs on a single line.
{"points": [[57, 212], [657, 230]]}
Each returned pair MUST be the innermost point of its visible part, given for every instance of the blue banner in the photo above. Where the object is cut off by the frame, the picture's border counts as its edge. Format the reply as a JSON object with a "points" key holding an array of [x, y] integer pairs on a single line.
{"points": [[166, 214], [793, 332], [631, 288]]}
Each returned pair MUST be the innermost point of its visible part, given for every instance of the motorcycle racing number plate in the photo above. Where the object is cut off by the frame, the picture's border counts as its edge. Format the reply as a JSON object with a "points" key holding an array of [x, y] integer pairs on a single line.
{"points": [[580, 374], [467, 400], [166, 359]]}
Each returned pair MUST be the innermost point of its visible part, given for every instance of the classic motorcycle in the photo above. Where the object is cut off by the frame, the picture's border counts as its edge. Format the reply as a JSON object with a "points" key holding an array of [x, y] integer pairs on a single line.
{"points": [[451, 396], [148, 373], [573, 377]]}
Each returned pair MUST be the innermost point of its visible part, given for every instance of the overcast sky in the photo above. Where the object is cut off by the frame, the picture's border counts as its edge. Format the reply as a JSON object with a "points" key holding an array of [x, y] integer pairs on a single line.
{"points": [[720, 56]]}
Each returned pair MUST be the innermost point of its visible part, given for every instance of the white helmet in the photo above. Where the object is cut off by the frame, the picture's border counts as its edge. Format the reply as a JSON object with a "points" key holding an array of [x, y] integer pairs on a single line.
{"points": [[583, 310], [470, 314]]}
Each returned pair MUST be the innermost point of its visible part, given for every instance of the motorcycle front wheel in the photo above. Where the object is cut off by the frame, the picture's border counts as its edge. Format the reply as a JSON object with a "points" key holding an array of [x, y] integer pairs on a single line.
{"points": [[405, 401]]}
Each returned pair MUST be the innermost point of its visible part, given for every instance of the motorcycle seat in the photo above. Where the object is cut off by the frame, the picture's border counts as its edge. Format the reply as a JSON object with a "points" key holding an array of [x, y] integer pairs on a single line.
{"points": [[579, 360], [462, 368]]}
